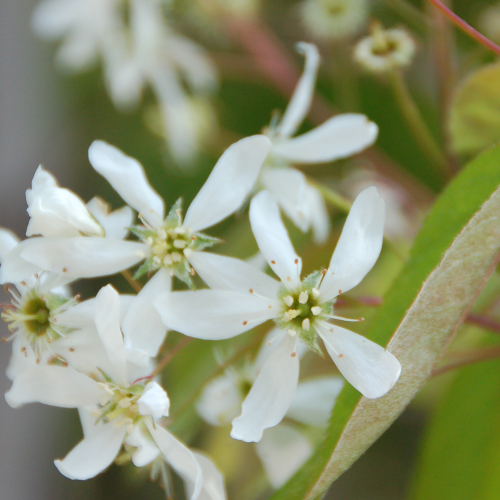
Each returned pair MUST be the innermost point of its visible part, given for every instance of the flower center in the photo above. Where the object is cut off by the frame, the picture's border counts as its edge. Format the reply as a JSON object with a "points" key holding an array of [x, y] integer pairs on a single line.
{"points": [[119, 405]]}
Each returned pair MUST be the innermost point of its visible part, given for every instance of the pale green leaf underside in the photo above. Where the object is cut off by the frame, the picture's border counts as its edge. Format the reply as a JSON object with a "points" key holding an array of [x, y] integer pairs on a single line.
{"points": [[451, 259]]}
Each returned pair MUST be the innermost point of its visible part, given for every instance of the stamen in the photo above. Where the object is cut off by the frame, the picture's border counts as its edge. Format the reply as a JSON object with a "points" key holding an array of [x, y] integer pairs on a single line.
{"points": [[180, 243], [316, 310], [290, 314], [288, 300], [306, 324], [292, 333], [188, 252], [303, 298], [340, 318], [315, 293]]}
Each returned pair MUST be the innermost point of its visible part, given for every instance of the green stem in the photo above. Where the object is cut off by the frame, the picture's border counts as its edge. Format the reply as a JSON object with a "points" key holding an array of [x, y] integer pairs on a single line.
{"points": [[415, 121], [131, 281]]}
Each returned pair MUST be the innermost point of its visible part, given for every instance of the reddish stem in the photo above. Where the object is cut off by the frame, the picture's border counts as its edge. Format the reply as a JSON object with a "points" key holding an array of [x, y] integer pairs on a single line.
{"points": [[466, 27], [483, 321], [468, 358], [159, 367]]}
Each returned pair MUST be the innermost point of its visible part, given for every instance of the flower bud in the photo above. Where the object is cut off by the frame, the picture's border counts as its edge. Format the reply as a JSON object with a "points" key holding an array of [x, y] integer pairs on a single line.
{"points": [[154, 401]]}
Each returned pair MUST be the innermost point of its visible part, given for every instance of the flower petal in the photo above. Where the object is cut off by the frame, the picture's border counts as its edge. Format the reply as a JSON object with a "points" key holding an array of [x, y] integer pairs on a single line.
{"points": [[55, 386], [84, 257], [339, 137], [107, 322], [368, 367], [93, 454], [213, 481], [229, 184], [271, 395], [288, 186], [179, 456], [314, 400], [142, 327], [213, 314], [302, 96], [146, 450], [88, 421], [273, 240], [128, 179], [115, 223], [282, 450], [14, 268], [225, 273], [358, 247], [320, 220], [8, 240]]}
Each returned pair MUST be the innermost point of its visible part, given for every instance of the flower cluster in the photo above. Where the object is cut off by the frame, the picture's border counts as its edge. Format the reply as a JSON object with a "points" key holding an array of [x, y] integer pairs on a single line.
{"points": [[99, 355]]}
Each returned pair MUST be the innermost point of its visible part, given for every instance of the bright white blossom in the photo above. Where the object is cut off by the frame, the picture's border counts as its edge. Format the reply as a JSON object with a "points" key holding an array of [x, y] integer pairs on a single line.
{"points": [[339, 137], [124, 411], [138, 50], [242, 298]]}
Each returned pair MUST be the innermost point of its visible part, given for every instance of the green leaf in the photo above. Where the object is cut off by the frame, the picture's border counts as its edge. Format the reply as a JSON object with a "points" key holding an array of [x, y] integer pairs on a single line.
{"points": [[454, 254], [461, 454], [475, 111]]}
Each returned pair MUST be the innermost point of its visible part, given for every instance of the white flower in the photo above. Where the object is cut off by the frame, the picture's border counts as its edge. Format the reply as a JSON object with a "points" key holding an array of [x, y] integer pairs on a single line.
{"points": [[124, 410], [167, 242], [242, 298], [339, 137]]}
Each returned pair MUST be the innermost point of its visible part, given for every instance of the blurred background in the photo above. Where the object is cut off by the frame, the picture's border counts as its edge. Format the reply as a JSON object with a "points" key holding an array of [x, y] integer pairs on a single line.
{"points": [[50, 114]]}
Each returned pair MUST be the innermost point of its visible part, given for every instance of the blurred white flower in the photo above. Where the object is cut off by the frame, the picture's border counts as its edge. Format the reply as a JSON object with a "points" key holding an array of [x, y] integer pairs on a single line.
{"points": [[167, 242], [339, 137], [242, 298], [138, 49], [333, 19]]}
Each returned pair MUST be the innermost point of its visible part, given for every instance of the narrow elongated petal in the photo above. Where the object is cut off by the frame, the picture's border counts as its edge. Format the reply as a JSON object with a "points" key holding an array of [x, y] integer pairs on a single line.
{"points": [[358, 247], [302, 96], [229, 184], [143, 328], [146, 450], [288, 186], [282, 451], [15, 268], [213, 314], [225, 273], [85, 257], [107, 322], [128, 178], [55, 386], [273, 240], [8, 240], [115, 223], [93, 454], [213, 481], [339, 137], [271, 395], [179, 456], [319, 218], [314, 400], [88, 421], [368, 367]]}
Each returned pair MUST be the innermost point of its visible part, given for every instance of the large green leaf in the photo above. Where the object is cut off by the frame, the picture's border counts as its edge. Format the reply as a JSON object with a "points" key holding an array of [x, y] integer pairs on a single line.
{"points": [[453, 256], [475, 111]]}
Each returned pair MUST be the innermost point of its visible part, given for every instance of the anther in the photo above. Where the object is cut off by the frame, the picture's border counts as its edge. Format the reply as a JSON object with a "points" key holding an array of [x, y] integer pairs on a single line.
{"points": [[251, 290], [296, 261], [188, 252], [180, 243], [288, 278], [341, 355], [292, 333], [303, 297], [294, 354], [156, 260], [340, 292], [23, 283], [306, 324], [176, 257], [64, 270], [192, 272], [361, 319], [315, 293], [288, 300], [162, 234], [125, 402], [245, 322], [179, 230], [193, 238], [273, 262], [316, 310], [71, 349], [167, 260], [324, 271]]}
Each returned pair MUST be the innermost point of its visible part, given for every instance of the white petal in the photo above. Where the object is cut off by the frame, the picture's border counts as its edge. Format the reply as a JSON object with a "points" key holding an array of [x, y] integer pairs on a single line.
{"points": [[302, 96], [213, 314], [358, 247], [314, 400], [93, 454], [220, 401], [213, 481], [42, 180], [146, 451], [339, 137], [178, 456], [14, 268], [8, 240], [154, 401], [85, 257], [269, 344], [225, 273], [229, 184], [271, 395], [21, 360], [115, 223], [320, 220], [368, 367], [142, 327], [128, 178], [258, 261], [79, 316], [55, 386], [88, 421], [288, 186], [273, 240], [282, 451], [107, 322]]}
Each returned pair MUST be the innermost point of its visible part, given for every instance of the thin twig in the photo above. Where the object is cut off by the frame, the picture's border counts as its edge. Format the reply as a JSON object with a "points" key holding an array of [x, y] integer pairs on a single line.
{"points": [[468, 358], [126, 274], [170, 354], [467, 28], [484, 321]]}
